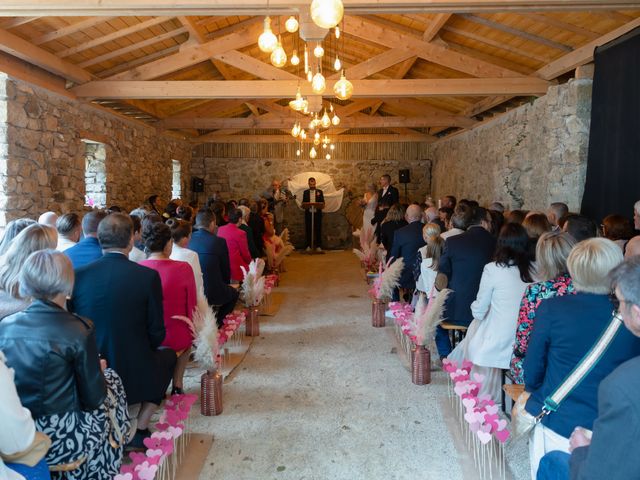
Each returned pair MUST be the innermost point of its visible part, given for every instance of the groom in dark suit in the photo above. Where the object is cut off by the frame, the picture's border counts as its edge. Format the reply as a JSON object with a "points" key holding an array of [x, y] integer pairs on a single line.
{"points": [[313, 203], [388, 195]]}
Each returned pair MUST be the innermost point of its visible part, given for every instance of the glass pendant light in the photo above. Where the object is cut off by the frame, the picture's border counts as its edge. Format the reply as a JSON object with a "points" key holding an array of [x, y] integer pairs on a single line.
{"points": [[306, 60], [332, 146], [309, 76], [337, 31], [318, 84], [303, 135], [279, 56], [335, 120], [318, 52], [327, 13], [337, 65], [267, 40], [326, 121], [298, 152], [328, 157], [291, 24], [295, 60], [343, 88], [313, 153]]}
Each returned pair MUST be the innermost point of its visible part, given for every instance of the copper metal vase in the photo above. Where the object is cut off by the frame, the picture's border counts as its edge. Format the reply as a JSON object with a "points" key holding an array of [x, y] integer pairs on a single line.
{"points": [[252, 322], [211, 393], [420, 365], [378, 308]]}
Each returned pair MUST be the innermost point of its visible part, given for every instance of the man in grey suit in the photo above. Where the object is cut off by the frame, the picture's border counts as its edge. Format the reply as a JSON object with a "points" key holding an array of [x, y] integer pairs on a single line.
{"points": [[607, 452]]}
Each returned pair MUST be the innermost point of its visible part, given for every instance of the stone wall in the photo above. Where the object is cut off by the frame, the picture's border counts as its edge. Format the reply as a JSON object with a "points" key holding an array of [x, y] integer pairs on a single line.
{"points": [[245, 170], [42, 154], [527, 158]]}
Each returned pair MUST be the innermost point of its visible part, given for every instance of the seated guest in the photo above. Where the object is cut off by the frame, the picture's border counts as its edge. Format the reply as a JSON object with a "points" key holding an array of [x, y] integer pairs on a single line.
{"points": [[257, 227], [536, 224], [406, 242], [69, 228], [33, 238], [18, 431], [489, 340], [430, 255], [497, 207], [48, 218], [392, 222], [181, 235], [459, 221], [124, 300], [605, 453], [220, 211], [462, 262], [237, 244], [184, 212], [154, 204], [58, 374], [448, 201], [497, 221], [432, 215], [178, 295], [553, 280], [566, 329], [244, 226], [137, 254], [618, 229], [580, 227], [633, 247], [214, 260], [11, 231], [515, 216], [555, 212], [445, 213], [88, 249]]}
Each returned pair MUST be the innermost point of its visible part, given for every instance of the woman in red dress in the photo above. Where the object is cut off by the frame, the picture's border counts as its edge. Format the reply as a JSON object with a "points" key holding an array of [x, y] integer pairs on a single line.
{"points": [[178, 294]]}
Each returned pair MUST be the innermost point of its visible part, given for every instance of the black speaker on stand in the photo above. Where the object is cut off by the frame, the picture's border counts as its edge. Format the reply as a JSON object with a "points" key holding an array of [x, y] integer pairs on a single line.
{"points": [[197, 187], [405, 177]]}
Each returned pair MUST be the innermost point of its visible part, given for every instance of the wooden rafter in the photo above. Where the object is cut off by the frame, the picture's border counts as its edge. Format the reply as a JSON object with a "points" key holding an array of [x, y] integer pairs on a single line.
{"points": [[198, 37], [362, 138], [435, 26], [275, 88], [70, 29]]}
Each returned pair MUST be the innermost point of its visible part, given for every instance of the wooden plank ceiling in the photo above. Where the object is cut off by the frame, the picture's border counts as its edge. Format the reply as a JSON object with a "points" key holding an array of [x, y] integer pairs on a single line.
{"points": [[420, 70]]}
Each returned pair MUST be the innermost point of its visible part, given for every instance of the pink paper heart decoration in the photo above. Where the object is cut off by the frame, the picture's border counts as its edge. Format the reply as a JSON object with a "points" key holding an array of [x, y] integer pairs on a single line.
{"points": [[502, 435], [469, 402], [474, 427], [152, 442], [162, 435], [148, 473], [123, 476], [155, 452], [137, 457], [127, 469], [485, 397], [460, 389], [492, 419], [501, 425], [470, 417], [154, 460], [492, 408], [483, 436], [478, 377], [486, 428], [175, 431]]}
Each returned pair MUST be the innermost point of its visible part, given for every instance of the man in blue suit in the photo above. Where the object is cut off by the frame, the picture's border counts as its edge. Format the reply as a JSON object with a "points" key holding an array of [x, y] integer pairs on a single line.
{"points": [[607, 452], [463, 260], [88, 249], [406, 242], [214, 260]]}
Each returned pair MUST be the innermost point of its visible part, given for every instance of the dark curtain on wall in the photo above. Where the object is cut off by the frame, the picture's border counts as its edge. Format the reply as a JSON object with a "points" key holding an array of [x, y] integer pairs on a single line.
{"points": [[613, 167]]}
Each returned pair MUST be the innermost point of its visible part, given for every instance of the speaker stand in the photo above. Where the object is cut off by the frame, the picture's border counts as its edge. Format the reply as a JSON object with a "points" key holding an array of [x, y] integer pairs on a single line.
{"points": [[406, 198]]}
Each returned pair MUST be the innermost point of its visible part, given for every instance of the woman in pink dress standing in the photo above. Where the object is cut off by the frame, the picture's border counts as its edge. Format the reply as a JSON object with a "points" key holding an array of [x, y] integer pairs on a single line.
{"points": [[178, 294]]}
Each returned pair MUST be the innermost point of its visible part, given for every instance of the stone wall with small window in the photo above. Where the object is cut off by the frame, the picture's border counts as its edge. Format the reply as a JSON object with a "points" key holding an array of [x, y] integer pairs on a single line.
{"points": [[43, 153]]}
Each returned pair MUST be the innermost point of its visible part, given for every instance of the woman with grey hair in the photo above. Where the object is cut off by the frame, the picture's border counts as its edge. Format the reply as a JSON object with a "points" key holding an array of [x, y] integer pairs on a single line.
{"points": [[566, 328], [552, 251], [11, 231], [58, 374], [246, 214], [33, 238]]}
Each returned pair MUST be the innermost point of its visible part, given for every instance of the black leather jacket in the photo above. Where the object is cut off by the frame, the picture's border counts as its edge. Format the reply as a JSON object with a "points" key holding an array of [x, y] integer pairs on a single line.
{"points": [[55, 358]]}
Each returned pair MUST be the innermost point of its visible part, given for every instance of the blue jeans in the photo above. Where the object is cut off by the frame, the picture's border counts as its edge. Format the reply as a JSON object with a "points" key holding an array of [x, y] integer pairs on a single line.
{"points": [[442, 342], [554, 466], [40, 471]]}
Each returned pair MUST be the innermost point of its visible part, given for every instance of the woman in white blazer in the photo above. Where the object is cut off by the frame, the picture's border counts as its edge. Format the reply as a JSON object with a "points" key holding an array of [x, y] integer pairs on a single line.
{"points": [[181, 234], [489, 340], [430, 256]]}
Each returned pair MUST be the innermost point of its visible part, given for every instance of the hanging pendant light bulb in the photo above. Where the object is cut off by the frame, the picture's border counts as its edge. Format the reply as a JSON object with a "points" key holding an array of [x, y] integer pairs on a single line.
{"points": [[295, 60], [324, 145], [332, 146], [267, 40], [326, 140], [337, 31], [298, 103], [318, 83], [313, 153], [316, 138], [279, 56], [303, 135], [343, 88], [335, 120], [309, 76], [328, 157], [327, 13], [291, 24], [298, 152], [337, 65], [318, 52], [306, 60], [326, 121]]}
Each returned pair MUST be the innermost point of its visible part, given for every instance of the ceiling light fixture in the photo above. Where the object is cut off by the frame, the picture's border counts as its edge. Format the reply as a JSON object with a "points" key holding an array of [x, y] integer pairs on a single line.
{"points": [[327, 13], [267, 40], [291, 24], [343, 88]]}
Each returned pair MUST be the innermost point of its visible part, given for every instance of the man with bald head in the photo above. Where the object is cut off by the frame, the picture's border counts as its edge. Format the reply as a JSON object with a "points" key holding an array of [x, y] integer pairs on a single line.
{"points": [[633, 247], [48, 218], [406, 242]]}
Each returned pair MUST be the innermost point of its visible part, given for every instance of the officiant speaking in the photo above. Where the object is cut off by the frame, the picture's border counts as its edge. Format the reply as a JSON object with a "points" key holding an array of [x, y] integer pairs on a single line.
{"points": [[313, 203]]}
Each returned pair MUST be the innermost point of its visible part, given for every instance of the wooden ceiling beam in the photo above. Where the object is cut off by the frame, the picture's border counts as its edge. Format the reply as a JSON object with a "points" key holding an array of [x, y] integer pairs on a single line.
{"points": [[366, 138], [368, 30], [560, 25], [275, 88], [584, 54], [17, 21], [191, 55], [123, 67], [516, 32], [435, 26], [113, 36], [260, 69], [256, 7], [400, 73], [24, 50], [195, 35], [70, 29], [32, 74], [378, 63]]}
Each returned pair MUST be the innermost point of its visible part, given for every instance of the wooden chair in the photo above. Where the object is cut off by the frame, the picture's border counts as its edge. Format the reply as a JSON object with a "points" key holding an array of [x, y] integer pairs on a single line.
{"points": [[510, 390], [456, 332]]}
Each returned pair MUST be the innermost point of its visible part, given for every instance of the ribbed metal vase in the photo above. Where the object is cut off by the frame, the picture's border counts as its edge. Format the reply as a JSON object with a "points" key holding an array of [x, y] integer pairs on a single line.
{"points": [[378, 308], [420, 365], [211, 393], [252, 322]]}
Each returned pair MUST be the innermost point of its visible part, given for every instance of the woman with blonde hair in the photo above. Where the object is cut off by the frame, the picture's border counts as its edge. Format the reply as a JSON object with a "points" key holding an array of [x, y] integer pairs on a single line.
{"points": [[392, 222], [430, 257], [33, 238], [566, 328], [554, 280]]}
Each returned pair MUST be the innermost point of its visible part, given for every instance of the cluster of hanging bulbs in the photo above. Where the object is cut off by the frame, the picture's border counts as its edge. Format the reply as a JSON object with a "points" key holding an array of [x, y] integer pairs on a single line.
{"points": [[317, 122]]}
